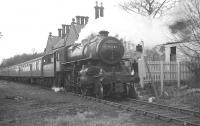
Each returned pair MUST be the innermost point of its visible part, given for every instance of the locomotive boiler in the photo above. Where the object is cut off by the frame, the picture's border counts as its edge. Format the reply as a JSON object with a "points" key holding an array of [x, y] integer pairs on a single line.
{"points": [[106, 49], [97, 68]]}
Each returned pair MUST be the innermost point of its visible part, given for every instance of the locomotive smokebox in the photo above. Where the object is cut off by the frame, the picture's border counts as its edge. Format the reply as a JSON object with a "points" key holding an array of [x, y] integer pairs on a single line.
{"points": [[104, 33]]}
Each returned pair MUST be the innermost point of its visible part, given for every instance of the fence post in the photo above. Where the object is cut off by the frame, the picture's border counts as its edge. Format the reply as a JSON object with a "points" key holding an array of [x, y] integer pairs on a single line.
{"points": [[178, 74], [142, 72], [161, 77]]}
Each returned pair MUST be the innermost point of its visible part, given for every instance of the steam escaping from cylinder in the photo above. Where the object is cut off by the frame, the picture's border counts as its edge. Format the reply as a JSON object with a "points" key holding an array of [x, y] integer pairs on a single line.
{"points": [[129, 27]]}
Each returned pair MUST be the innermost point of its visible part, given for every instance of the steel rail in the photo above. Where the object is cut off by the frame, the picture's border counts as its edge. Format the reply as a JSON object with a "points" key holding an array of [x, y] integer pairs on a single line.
{"points": [[163, 117], [172, 108]]}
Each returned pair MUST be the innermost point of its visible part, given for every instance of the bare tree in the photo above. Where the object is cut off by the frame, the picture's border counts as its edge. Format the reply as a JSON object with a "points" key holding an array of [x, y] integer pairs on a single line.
{"points": [[192, 15], [153, 8], [19, 59], [187, 31]]}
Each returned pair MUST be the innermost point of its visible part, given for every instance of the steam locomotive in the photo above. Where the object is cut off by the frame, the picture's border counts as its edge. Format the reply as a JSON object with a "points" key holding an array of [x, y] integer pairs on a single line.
{"points": [[95, 68], [99, 68]]}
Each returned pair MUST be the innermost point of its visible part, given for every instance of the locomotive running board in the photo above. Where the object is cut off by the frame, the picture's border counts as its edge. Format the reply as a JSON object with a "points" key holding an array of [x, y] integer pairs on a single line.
{"points": [[75, 61]]}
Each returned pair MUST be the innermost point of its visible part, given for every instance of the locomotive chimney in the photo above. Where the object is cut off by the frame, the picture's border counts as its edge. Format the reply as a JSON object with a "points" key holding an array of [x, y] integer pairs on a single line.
{"points": [[96, 10], [78, 19], [60, 32], [63, 30], [104, 33], [82, 20], [86, 20], [50, 34], [73, 21], [101, 10]]}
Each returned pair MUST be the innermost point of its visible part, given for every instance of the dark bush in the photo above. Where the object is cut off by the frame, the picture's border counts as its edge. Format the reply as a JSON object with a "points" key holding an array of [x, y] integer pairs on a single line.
{"points": [[19, 59]]}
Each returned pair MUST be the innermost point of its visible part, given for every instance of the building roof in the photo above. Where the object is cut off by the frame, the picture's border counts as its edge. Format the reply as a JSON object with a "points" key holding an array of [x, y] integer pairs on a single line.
{"points": [[71, 37], [52, 40], [179, 42], [61, 43], [73, 34]]}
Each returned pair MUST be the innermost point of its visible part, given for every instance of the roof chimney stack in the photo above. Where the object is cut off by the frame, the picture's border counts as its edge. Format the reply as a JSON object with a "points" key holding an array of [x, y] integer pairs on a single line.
{"points": [[82, 20], [63, 30], [86, 20], [101, 10], [104, 33], [96, 10], [78, 19], [60, 32], [67, 29]]}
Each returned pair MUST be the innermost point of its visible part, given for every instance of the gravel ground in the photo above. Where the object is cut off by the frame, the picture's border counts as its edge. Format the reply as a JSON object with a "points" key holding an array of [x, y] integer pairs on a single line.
{"points": [[28, 105]]}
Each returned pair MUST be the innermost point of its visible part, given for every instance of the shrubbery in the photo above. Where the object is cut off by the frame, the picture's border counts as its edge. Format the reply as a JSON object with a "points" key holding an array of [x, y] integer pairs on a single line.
{"points": [[194, 67], [19, 59]]}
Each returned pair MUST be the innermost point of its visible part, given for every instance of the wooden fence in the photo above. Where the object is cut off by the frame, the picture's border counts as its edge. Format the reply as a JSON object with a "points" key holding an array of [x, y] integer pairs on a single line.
{"points": [[159, 71]]}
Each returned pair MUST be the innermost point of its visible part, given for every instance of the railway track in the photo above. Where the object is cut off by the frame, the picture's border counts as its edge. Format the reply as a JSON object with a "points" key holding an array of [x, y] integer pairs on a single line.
{"points": [[171, 108], [185, 117], [166, 113]]}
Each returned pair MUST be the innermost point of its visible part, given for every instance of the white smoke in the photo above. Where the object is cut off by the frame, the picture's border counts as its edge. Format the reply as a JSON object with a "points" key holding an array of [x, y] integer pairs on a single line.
{"points": [[131, 27]]}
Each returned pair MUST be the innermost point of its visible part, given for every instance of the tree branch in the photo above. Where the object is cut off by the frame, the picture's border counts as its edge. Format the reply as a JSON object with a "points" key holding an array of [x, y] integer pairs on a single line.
{"points": [[146, 7], [159, 8]]}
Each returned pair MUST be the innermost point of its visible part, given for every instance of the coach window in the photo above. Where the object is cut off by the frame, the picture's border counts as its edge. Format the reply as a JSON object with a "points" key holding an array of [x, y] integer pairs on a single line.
{"points": [[52, 58], [27, 67], [36, 65], [48, 59], [39, 65], [45, 61], [57, 56], [33, 66]]}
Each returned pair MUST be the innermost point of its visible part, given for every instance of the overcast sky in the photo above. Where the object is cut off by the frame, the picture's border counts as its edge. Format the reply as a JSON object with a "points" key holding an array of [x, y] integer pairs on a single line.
{"points": [[25, 24]]}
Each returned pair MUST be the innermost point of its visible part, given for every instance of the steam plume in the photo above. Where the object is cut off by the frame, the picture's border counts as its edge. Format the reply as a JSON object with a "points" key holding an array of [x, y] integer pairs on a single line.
{"points": [[133, 28]]}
